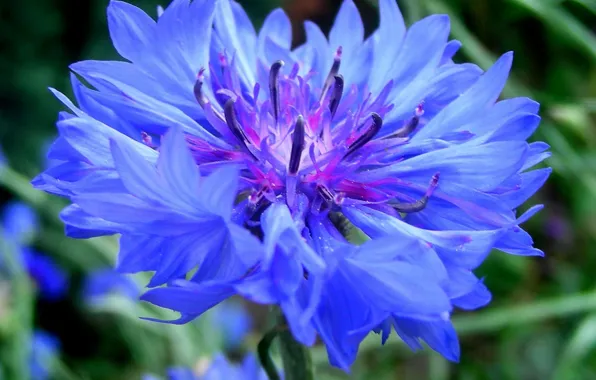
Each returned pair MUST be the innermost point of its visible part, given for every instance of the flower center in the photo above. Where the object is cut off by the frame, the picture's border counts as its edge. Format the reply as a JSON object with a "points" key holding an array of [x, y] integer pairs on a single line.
{"points": [[299, 141]]}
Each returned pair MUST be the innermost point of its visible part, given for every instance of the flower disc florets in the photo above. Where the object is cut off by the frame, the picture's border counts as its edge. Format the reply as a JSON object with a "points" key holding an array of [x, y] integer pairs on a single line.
{"points": [[295, 140]]}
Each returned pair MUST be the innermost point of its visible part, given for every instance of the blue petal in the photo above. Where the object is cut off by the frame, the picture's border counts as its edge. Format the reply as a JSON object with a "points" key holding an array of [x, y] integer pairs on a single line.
{"points": [[183, 253], [536, 154], [279, 229], [463, 248], [439, 335], [189, 299], [347, 31], [177, 166], [479, 296], [131, 29], [81, 225], [450, 49], [229, 35], [459, 164], [473, 102], [130, 261], [388, 42], [531, 182], [278, 28], [316, 40]]}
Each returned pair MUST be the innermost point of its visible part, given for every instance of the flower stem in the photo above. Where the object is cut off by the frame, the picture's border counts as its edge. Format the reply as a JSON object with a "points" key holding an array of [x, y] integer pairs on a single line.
{"points": [[295, 357], [21, 319], [264, 356]]}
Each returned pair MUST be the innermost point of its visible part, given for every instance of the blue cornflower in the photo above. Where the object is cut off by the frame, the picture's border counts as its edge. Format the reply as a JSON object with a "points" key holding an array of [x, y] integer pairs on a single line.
{"points": [[219, 368], [44, 349], [51, 280], [234, 321], [19, 224], [105, 282], [231, 163]]}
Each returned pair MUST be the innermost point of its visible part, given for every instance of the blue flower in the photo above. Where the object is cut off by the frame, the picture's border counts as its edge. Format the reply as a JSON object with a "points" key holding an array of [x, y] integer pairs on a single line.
{"points": [[219, 368], [51, 280], [19, 222], [234, 321], [231, 163], [44, 349], [19, 225], [104, 282]]}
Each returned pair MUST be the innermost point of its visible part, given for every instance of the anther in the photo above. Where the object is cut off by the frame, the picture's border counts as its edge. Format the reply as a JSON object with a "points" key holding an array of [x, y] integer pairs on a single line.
{"points": [[325, 193], [274, 87], [420, 204], [332, 73], [235, 127], [295, 157], [368, 135], [412, 124], [297, 146], [256, 196], [198, 88], [338, 89], [147, 140]]}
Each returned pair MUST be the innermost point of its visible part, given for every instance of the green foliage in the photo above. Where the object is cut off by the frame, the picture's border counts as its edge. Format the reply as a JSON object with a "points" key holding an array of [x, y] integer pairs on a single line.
{"points": [[542, 321]]}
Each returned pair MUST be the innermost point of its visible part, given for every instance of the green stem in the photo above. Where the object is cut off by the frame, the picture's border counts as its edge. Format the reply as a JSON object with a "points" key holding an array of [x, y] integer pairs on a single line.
{"points": [[263, 349], [295, 357], [21, 318]]}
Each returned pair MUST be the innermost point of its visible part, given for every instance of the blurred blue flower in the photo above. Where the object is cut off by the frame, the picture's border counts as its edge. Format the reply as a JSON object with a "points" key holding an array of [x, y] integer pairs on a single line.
{"points": [[219, 368], [105, 282], [234, 321], [44, 349], [19, 225], [223, 152], [51, 281], [19, 222]]}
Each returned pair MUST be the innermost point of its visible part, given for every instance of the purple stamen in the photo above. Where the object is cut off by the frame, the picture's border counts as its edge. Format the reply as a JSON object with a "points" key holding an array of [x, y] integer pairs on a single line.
{"points": [[332, 73], [235, 127], [338, 89], [198, 88], [412, 124], [325, 193], [274, 87], [297, 146], [295, 156], [368, 135], [420, 204]]}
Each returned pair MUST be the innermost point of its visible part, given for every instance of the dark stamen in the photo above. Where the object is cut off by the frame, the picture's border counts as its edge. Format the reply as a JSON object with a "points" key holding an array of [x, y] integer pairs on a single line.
{"points": [[274, 87], [368, 135], [332, 73], [338, 90], [198, 88], [297, 146], [235, 127], [325, 193], [420, 204], [412, 124]]}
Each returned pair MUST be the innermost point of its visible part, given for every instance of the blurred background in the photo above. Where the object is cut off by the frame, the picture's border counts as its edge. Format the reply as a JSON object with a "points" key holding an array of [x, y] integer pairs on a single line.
{"points": [[65, 315]]}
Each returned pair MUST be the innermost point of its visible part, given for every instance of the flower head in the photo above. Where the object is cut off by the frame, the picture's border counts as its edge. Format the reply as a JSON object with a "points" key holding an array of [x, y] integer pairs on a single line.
{"points": [[104, 282], [234, 321], [219, 368], [44, 348], [224, 152], [19, 225]]}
